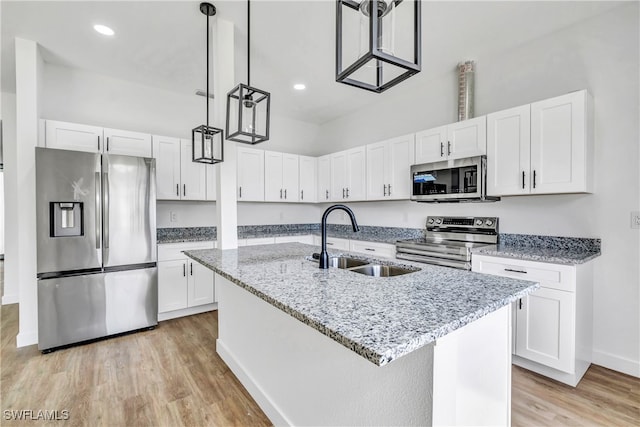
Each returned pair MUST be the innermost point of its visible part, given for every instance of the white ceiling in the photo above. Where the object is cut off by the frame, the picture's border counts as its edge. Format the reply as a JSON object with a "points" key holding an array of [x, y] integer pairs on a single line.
{"points": [[161, 43]]}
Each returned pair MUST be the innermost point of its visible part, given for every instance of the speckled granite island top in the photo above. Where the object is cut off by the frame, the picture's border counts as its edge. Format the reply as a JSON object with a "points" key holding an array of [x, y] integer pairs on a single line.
{"points": [[380, 318]]}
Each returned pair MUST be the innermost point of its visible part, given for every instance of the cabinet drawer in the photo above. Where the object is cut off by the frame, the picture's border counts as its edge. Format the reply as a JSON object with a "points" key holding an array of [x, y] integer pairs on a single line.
{"points": [[170, 251], [551, 276], [373, 248]]}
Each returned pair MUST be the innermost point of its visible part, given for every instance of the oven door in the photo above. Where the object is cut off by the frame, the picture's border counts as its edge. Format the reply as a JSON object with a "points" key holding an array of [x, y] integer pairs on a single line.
{"points": [[453, 180]]}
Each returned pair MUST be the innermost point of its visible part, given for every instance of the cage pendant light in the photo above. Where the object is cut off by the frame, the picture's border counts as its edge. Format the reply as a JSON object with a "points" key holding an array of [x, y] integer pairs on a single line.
{"points": [[378, 42], [248, 108], [206, 141]]}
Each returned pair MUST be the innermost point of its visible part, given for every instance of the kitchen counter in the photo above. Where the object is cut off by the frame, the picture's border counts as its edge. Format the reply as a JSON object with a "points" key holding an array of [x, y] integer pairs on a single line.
{"points": [[551, 249], [381, 319]]}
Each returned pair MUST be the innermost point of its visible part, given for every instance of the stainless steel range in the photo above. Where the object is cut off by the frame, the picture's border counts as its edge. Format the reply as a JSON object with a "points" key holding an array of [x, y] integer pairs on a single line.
{"points": [[448, 240]]}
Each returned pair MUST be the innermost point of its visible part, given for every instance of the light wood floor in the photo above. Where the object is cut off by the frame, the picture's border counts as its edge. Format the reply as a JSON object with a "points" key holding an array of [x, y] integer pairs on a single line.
{"points": [[172, 376]]}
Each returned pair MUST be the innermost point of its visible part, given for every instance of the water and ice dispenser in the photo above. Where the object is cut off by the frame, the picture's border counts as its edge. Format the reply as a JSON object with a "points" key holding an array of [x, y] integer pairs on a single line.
{"points": [[66, 219]]}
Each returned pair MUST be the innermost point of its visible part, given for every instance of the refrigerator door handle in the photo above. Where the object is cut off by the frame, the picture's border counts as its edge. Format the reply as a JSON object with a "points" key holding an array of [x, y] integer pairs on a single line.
{"points": [[105, 220], [97, 212]]}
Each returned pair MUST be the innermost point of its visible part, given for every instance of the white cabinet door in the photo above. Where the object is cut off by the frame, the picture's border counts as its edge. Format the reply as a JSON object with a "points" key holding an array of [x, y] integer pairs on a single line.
{"points": [[193, 175], [273, 190], [324, 178], [307, 179], [166, 151], [377, 178], [431, 145], [200, 285], [559, 144], [127, 143], [357, 174], [339, 176], [211, 182], [467, 138], [508, 151], [72, 136], [250, 174], [290, 183], [400, 157], [172, 285], [545, 323]]}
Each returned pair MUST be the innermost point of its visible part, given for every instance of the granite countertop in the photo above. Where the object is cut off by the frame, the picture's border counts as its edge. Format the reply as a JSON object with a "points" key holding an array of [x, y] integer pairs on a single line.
{"points": [[551, 249], [379, 318]]}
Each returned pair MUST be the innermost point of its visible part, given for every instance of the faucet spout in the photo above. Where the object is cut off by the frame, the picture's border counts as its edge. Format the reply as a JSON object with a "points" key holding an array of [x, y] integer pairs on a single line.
{"points": [[324, 256]]}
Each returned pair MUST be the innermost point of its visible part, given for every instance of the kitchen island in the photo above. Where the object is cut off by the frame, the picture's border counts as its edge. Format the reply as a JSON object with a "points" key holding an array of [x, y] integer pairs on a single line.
{"points": [[328, 347]]}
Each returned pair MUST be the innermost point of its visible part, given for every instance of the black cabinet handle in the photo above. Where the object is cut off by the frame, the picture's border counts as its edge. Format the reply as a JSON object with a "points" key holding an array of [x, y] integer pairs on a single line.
{"points": [[384, 189], [184, 190], [98, 142], [301, 194], [343, 193], [191, 268], [522, 179], [107, 143], [240, 197], [448, 148], [281, 193], [520, 304], [178, 190], [515, 271], [389, 189], [327, 196], [441, 149], [347, 192], [534, 178], [184, 270], [369, 249], [285, 194]]}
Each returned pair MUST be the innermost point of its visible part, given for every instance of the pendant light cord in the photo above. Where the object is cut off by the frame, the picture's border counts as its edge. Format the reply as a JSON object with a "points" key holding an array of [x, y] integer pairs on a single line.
{"points": [[248, 42], [207, 71]]}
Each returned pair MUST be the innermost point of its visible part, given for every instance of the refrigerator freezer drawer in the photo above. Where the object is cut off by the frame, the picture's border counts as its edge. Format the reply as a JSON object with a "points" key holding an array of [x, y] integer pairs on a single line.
{"points": [[79, 308]]}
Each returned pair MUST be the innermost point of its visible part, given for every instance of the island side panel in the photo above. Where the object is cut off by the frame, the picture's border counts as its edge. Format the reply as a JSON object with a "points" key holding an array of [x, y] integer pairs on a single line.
{"points": [[300, 377], [472, 373]]}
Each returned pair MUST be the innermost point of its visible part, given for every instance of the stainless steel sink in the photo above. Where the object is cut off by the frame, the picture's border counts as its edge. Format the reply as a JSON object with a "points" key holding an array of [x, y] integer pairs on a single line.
{"points": [[345, 262], [376, 270]]}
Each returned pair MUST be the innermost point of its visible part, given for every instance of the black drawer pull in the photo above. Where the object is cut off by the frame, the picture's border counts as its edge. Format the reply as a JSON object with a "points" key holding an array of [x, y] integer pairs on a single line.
{"points": [[515, 271]]}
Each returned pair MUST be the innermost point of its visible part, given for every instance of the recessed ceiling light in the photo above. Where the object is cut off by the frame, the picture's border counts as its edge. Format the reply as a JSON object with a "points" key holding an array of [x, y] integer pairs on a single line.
{"points": [[299, 86], [103, 29]]}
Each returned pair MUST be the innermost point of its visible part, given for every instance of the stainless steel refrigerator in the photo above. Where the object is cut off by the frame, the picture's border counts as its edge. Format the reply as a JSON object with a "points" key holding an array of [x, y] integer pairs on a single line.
{"points": [[96, 227]]}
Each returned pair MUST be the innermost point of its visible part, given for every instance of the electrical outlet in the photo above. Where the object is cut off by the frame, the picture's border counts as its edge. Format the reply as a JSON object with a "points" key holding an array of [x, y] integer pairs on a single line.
{"points": [[635, 219], [173, 217]]}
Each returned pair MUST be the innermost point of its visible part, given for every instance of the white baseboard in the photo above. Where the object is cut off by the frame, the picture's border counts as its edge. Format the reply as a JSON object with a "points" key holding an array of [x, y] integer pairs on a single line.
{"points": [[617, 363], [187, 311], [9, 299], [24, 339], [271, 411]]}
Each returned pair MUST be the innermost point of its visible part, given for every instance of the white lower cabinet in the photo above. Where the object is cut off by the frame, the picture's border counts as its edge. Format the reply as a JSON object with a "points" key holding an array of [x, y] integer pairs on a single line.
{"points": [[552, 325], [308, 239], [185, 286], [383, 250]]}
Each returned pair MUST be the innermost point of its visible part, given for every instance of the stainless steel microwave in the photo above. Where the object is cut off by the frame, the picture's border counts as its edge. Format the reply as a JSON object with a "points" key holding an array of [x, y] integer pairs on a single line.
{"points": [[459, 180]]}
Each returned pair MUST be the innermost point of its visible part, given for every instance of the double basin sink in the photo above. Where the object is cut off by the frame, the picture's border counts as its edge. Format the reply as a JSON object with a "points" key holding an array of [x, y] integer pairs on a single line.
{"points": [[368, 268]]}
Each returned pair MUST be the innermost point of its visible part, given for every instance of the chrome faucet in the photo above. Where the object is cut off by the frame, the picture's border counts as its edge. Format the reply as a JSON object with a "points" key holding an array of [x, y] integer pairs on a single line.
{"points": [[324, 256]]}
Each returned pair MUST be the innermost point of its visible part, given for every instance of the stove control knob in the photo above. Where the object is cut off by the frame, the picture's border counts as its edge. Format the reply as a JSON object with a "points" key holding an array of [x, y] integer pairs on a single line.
{"points": [[439, 221], [430, 221], [478, 222], [489, 222]]}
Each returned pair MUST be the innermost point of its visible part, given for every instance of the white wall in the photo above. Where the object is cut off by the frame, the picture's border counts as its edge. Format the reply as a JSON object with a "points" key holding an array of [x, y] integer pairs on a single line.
{"points": [[11, 277], [601, 55]]}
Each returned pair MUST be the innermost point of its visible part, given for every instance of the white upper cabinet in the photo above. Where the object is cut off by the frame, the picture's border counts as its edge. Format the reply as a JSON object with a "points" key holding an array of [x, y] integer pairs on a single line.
{"points": [[541, 148], [211, 182], [281, 177], [561, 144], [508, 151], [348, 175], [166, 151], [388, 168], [455, 141], [127, 143], [324, 178], [307, 179], [93, 139], [192, 175], [250, 171], [73, 136]]}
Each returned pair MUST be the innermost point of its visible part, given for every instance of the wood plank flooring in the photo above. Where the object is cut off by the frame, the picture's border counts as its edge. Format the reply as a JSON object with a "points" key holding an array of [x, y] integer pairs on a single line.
{"points": [[172, 376]]}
